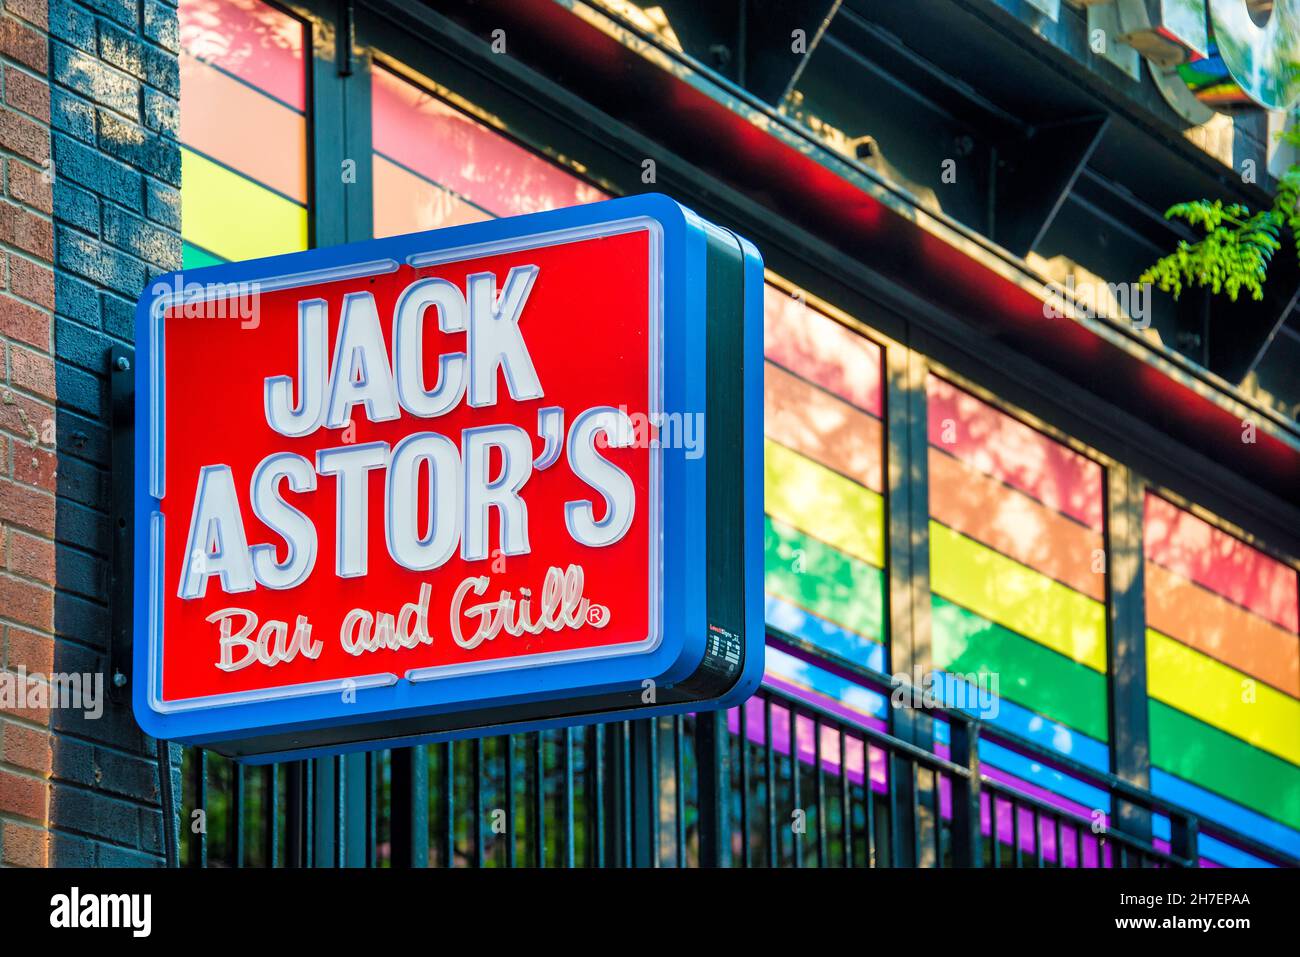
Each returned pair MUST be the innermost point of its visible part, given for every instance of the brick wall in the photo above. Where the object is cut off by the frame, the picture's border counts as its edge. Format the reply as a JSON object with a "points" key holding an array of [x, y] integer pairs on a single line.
{"points": [[27, 416], [107, 214]]}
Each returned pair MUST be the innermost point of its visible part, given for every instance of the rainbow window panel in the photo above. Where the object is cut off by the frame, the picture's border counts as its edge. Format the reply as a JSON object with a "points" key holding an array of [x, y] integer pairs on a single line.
{"points": [[1017, 574], [1223, 677], [823, 448], [435, 165], [244, 163]]}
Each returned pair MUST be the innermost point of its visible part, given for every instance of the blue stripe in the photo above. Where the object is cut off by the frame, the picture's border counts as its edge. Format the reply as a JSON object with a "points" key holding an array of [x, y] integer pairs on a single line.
{"points": [[826, 635], [1211, 848], [1030, 725], [1228, 813], [852, 696], [1035, 772]]}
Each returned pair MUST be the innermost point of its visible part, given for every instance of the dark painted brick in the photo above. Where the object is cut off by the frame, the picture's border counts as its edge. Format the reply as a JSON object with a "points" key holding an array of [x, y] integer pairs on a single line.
{"points": [[161, 112], [105, 265], [80, 390], [142, 60], [163, 204], [81, 438], [81, 573], [126, 775], [140, 237], [71, 850], [100, 174], [125, 12], [72, 24], [76, 298], [154, 153], [73, 761], [80, 620], [95, 80], [80, 345], [79, 525], [95, 814], [160, 25], [119, 317], [115, 727], [75, 206], [83, 482], [71, 114], [110, 856]]}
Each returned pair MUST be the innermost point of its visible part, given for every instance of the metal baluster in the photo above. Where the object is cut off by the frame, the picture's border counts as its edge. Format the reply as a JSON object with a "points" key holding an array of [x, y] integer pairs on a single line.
{"points": [[871, 804], [796, 837], [236, 834], [996, 829], [448, 801], [271, 814], [1016, 857], [568, 798], [508, 742], [199, 836], [743, 723], [820, 792], [770, 772], [679, 790], [846, 800], [477, 788], [539, 798]]}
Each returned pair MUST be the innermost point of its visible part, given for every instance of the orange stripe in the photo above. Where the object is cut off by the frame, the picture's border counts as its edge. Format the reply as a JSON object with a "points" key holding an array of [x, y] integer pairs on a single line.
{"points": [[809, 420], [243, 129], [1202, 620], [406, 203], [1010, 522]]}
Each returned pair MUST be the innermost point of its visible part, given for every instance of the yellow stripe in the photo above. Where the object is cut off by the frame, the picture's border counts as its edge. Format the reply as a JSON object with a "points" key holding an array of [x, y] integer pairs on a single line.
{"points": [[1224, 697], [824, 504], [234, 217], [1017, 597]]}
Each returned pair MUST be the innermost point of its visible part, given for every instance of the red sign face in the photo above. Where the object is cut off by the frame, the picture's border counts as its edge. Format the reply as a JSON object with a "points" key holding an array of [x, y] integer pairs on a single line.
{"points": [[419, 472]]}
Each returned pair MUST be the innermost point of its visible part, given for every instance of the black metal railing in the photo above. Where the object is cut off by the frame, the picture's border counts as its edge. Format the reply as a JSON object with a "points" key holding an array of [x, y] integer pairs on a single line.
{"points": [[777, 783]]}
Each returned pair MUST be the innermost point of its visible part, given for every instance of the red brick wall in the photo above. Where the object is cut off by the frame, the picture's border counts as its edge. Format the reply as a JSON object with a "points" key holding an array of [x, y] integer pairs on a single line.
{"points": [[27, 450]]}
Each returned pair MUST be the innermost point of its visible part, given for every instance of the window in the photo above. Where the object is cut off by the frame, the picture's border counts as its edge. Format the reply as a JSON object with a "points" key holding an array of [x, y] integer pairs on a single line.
{"points": [[1017, 572], [824, 531], [243, 131], [436, 166], [1223, 680]]}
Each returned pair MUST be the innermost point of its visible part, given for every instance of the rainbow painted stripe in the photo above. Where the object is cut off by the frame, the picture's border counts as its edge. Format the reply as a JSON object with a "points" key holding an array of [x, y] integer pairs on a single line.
{"points": [[243, 131], [1017, 573], [435, 165], [824, 539], [1223, 675]]}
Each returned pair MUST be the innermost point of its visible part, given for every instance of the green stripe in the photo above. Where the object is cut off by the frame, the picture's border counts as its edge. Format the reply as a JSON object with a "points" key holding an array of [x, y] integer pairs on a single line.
{"points": [[1028, 673], [1204, 755], [192, 257], [828, 583]]}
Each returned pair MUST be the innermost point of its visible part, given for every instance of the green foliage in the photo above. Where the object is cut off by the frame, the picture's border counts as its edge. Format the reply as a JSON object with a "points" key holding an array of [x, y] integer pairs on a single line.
{"points": [[1238, 244]]}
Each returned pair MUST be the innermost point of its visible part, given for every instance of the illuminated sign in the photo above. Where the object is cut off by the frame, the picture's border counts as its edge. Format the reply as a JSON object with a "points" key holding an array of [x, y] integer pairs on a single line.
{"points": [[488, 477]]}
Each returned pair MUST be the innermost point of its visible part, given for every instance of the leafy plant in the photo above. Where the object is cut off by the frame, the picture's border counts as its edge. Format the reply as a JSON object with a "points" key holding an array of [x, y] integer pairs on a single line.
{"points": [[1238, 244]]}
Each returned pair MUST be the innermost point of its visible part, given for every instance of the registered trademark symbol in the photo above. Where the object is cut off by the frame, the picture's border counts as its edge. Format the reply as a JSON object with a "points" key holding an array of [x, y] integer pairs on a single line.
{"points": [[595, 615]]}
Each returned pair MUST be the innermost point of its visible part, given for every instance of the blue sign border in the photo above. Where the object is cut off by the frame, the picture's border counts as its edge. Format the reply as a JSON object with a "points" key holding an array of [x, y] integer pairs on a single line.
{"points": [[684, 610]]}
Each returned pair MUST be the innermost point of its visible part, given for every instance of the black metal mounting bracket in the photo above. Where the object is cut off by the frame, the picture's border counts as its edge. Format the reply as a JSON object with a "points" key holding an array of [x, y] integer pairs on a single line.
{"points": [[121, 391]]}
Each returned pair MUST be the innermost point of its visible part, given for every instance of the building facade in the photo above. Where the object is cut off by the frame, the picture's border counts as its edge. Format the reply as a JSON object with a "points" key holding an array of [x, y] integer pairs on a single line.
{"points": [[1032, 542]]}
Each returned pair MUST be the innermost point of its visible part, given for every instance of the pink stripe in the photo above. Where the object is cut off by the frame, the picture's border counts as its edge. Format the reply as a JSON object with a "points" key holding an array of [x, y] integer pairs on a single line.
{"points": [[1199, 552], [1012, 452], [447, 146], [250, 39], [821, 350]]}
